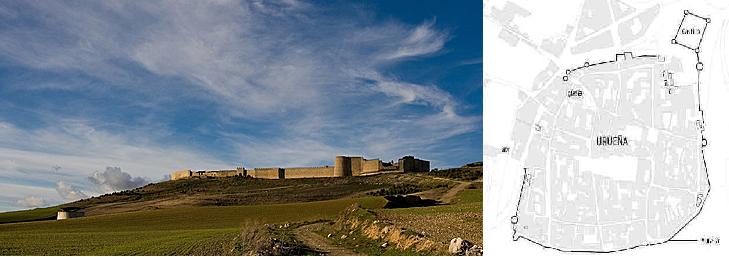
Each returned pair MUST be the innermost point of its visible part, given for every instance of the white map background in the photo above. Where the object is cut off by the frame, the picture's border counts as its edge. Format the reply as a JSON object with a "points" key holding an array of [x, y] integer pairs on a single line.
{"points": [[512, 60]]}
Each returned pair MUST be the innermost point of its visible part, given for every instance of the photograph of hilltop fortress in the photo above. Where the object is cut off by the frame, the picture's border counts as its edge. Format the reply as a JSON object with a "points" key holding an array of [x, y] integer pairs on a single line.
{"points": [[344, 166], [241, 128]]}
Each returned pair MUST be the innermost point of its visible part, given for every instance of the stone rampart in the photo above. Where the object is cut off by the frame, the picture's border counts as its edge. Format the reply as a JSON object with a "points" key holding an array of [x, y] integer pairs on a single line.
{"points": [[309, 172], [267, 173], [369, 166], [344, 166], [180, 174]]}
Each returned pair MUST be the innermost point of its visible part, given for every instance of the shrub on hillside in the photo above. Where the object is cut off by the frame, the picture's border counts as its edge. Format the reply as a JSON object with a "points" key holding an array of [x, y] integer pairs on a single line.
{"points": [[402, 189], [467, 174]]}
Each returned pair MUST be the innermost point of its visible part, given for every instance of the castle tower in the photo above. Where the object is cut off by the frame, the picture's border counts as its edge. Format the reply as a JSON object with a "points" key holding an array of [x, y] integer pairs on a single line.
{"points": [[412, 164], [355, 165], [342, 166], [240, 171]]}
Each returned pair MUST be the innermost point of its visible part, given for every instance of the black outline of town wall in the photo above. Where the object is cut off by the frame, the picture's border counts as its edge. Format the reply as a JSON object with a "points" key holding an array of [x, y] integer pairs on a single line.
{"points": [[699, 67]]}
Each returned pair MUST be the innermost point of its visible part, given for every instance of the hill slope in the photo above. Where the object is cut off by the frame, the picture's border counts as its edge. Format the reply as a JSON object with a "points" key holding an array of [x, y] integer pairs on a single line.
{"points": [[210, 216], [233, 191], [175, 231]]}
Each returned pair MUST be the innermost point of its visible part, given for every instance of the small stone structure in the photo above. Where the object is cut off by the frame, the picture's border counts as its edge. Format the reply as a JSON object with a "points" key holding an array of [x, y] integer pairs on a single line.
{"points": [[175, 175], [344, 166], [69, 213]]}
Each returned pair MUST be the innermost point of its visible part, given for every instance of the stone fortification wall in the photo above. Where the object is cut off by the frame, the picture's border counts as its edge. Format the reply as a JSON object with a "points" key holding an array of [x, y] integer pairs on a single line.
{"points": [[267, 173], [356, 165], [389, 167], [180, 174], [411, 164], [223, 173], [370, 166], [309, 172], [183, 174], [344, 166]]}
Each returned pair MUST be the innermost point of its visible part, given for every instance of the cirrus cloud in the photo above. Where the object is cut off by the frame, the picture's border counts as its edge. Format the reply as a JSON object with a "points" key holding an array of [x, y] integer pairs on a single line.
{"points": [[69, 192], [31, 202], [150, 87]]}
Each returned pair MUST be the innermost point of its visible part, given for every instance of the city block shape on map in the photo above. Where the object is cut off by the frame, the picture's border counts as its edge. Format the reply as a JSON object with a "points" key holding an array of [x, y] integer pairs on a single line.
{"points": [[613, 156]]}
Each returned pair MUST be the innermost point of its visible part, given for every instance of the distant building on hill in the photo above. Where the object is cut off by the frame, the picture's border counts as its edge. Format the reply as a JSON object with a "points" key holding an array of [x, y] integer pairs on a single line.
{"points": [[69, 213], [344, 166]]}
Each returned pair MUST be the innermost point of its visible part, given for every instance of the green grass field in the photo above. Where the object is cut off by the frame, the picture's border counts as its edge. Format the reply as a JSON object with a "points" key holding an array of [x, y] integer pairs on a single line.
{"points": [[205, 216], [469, 200], [179, 231], [47, 213], [233, 191]]}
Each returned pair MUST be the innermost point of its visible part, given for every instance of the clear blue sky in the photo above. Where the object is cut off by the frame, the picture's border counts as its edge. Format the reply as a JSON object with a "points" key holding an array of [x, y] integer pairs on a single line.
{"points": [[99, 95]]}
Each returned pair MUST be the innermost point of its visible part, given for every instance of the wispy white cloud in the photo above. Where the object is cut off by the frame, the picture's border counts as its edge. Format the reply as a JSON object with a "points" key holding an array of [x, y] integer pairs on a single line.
{"points": [[31, 202], [77, 146], [422, 40], [412, 94], [62, 158], [69, 192], [289, 152], [238, 51], [13, 192], [316, 82]]}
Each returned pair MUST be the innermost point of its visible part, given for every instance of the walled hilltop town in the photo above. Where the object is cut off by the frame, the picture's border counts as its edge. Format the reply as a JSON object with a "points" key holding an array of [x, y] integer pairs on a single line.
{"points": [[344, 166]]}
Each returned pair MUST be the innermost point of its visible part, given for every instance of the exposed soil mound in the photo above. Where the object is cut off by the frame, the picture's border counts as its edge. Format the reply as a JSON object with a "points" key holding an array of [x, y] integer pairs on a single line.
{"points": [[363, 227], [265, 240]]}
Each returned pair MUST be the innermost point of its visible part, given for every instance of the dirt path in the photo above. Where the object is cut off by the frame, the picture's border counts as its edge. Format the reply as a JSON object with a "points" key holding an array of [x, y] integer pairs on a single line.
{"points": [[449, 196], [307, 235]]}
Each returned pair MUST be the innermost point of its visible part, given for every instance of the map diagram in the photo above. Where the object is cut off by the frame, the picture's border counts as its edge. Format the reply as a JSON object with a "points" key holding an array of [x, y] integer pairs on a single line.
{"points": [[610, 136]]}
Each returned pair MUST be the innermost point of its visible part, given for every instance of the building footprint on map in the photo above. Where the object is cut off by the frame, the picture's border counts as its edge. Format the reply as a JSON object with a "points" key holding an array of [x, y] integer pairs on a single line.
{"points": [[613, 157]]}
